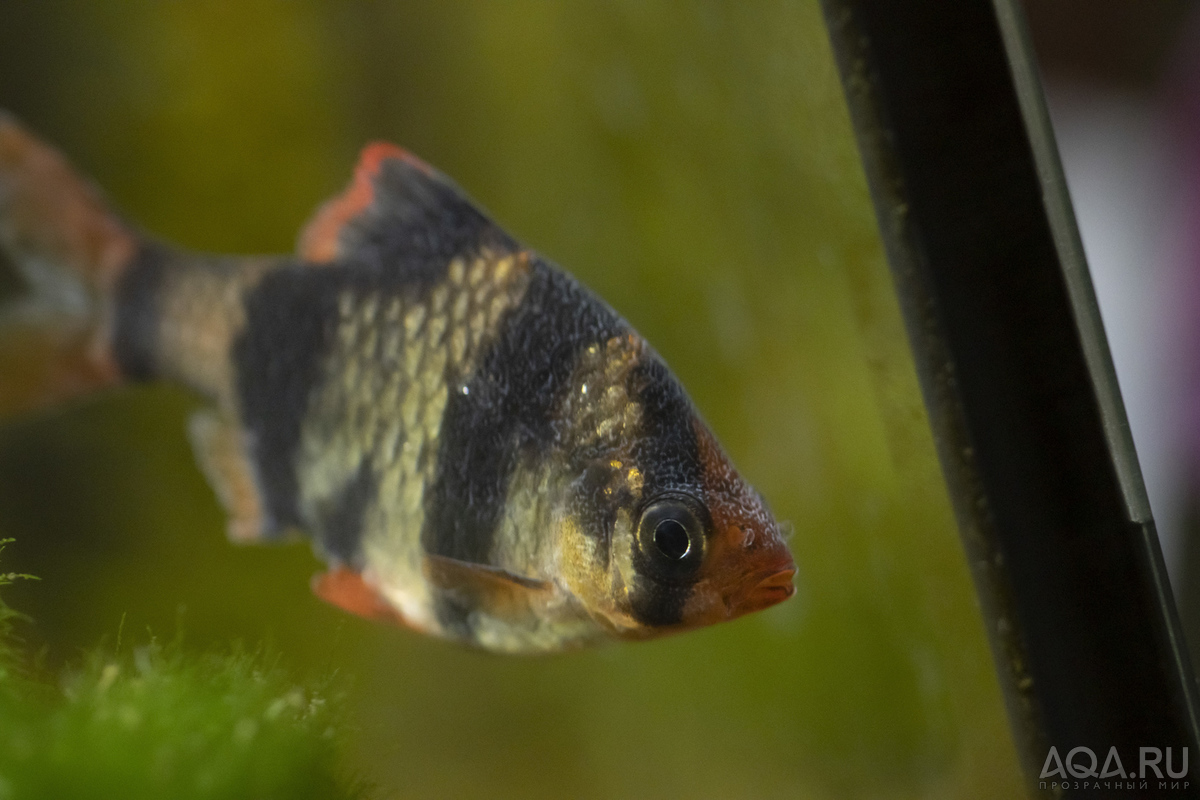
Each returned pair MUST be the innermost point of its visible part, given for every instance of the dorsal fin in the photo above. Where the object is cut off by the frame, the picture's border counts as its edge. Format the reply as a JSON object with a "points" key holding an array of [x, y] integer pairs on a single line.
{"points": [[399, 213]]}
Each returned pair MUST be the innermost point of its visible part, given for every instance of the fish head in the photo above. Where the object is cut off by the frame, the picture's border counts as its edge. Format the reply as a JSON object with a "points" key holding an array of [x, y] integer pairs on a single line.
{"points": [[709, 552], [687, 541]]}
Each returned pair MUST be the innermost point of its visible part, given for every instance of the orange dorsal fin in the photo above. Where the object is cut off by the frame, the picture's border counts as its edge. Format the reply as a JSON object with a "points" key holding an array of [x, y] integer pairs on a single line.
{"points": [[319, 239], [400, 213]]}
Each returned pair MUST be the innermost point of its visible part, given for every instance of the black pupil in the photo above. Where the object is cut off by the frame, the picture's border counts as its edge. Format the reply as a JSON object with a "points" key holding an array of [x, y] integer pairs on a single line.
{"points": [[671, 538]]}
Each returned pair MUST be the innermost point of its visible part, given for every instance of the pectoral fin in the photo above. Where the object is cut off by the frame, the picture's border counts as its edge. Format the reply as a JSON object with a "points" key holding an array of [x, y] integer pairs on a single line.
{"points": [[496, 591]]}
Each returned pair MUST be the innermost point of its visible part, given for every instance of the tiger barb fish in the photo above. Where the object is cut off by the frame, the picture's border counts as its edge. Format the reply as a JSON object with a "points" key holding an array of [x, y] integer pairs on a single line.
{"points": [[478, 447]]}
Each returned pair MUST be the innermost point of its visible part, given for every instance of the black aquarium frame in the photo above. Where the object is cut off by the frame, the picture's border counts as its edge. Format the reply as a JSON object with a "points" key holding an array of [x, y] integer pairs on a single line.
{"points": [[1019, 383]]}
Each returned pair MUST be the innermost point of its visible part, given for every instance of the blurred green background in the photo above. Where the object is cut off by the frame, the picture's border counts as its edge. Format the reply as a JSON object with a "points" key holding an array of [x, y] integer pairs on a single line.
{"points": [[691, 162]]}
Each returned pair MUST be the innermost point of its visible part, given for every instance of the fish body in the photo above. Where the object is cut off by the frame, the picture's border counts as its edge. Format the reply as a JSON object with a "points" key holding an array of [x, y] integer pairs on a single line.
{"points": [[479, 447]]}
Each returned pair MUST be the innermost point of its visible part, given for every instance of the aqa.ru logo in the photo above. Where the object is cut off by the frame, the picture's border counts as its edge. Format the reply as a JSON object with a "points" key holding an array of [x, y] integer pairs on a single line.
{"points": [[1081, 762]]}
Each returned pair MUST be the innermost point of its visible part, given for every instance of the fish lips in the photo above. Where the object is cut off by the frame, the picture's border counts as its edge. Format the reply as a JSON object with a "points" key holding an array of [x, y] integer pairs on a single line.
{"points": [[760, 588], [766, 579]]}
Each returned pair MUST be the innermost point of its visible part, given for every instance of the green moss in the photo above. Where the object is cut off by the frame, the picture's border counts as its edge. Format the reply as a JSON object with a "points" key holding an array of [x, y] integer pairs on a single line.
{"points": [[158, 722], [9, 657]]}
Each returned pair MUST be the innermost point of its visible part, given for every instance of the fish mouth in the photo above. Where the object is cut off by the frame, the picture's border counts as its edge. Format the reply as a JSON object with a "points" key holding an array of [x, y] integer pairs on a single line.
{"points": [[763, 592]]}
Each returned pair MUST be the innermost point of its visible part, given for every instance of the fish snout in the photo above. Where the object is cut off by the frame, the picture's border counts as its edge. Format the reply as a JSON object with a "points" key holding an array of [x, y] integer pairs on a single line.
{"points": [[762, 568], [741, 579]]}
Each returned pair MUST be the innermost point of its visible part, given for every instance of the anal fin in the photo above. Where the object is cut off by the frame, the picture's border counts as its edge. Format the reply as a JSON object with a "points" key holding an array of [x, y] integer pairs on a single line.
{"points": [[220, 448]]}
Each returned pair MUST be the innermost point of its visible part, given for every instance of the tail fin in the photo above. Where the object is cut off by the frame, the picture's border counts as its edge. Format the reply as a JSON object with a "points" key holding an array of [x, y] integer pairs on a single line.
{"points": [[70, 249]]}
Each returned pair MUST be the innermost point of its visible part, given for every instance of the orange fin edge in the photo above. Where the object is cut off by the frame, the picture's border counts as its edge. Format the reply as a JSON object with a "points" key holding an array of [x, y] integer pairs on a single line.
{"points": [[347, 590], [319, 239]]}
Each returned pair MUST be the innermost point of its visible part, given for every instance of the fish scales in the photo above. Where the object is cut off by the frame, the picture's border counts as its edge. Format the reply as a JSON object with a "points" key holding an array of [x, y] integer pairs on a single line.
{"points": [[479, 447], [333, 452]]}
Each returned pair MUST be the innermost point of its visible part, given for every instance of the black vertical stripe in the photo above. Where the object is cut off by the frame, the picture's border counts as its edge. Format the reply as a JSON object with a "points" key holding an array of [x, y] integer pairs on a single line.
{"points": [[290, 319], [508, 415], [403, 241], [669, 456], [138, 300], [341, 524], [657, 604], [666, 449], [508, 411]]}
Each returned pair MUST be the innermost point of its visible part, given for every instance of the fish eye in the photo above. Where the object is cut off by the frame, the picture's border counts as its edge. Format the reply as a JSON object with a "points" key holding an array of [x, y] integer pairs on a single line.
{"points": [[671, 538]]}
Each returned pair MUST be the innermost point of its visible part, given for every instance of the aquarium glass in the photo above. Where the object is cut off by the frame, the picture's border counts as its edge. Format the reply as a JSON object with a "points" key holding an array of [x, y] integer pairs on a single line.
{"points": [[691, 162]]}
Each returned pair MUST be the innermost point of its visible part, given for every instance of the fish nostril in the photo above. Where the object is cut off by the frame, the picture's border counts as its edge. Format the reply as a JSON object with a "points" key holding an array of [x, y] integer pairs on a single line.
{"points": [[747, 537]]}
